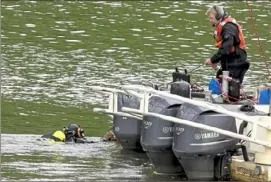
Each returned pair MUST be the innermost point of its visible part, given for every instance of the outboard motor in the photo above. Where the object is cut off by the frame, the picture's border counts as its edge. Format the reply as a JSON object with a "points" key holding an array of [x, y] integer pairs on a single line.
{"points": [[126, 129], [203, 154], [157, 134]]}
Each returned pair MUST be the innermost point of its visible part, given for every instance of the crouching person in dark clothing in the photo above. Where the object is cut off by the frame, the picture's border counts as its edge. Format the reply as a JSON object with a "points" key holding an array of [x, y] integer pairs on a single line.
{"points": [[230, 40]]}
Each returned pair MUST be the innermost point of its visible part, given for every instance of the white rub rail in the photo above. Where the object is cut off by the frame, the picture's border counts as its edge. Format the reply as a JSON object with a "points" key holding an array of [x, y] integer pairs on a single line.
{"points": [[210, 106], [113, 101], [144, 100]]}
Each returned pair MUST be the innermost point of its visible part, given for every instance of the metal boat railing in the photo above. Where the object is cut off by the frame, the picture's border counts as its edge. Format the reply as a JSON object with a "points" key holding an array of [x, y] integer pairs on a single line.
{"points": [[144, 93], [113, 101]]}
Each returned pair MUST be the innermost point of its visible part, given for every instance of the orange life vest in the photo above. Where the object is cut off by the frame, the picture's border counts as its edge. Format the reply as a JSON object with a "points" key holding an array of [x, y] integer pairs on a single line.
{"points": [[218, 34]]}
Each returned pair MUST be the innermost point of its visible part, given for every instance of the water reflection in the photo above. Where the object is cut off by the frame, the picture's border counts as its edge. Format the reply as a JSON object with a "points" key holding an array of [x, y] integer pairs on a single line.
{"points": [[27, 154], [134, 38]]}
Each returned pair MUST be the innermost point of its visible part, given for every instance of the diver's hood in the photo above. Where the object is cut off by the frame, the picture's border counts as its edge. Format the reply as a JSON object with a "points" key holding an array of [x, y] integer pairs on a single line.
{"points": [[73, 127]]}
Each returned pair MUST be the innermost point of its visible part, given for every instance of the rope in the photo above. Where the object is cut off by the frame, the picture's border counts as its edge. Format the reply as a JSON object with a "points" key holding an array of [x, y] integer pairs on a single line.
{"points": [[257, 35]]}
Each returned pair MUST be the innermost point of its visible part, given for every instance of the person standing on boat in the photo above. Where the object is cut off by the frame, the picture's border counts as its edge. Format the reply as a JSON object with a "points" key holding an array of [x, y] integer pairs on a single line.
{"points": [[231, 45]]}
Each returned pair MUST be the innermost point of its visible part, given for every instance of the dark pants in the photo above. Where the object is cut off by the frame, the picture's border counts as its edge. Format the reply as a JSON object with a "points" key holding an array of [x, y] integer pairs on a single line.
{"points": [[237, 66], [236, 73]]}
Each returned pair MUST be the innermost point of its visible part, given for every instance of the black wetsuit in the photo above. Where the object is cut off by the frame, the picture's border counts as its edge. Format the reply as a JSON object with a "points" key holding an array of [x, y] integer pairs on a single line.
{"points": [[78, 140], [234, 62], [69, 138]]}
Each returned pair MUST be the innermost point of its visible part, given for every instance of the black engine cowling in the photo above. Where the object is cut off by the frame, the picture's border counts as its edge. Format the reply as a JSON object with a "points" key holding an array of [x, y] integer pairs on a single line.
{"points": [[198, 150], [178, 76]]}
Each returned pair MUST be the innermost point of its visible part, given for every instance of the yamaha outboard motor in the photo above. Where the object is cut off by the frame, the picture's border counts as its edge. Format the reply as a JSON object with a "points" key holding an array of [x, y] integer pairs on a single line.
{"points": [[157, 134], [204, 154], [127, 129]]}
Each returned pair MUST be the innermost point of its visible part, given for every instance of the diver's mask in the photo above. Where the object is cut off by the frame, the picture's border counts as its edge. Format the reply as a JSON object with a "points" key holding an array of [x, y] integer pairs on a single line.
{"points": [[68, 132], [74, 131], [80, 132]]}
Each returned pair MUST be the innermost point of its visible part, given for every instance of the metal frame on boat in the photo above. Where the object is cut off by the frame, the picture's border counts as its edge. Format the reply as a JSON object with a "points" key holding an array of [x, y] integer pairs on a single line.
{"points": [[259, 143]]}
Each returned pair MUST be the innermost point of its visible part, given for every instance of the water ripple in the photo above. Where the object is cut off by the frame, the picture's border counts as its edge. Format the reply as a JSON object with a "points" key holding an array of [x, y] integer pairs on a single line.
{"points": [[66, 53], [28, 155]]}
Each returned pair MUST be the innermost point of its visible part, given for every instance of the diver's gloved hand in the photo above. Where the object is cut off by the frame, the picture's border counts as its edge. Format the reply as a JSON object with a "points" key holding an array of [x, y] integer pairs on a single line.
{"points": [[83, 140]]}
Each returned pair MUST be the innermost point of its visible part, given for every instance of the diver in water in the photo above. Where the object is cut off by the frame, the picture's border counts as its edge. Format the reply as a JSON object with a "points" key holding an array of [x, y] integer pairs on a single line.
{"points": [[72, 133], [75, 134]]}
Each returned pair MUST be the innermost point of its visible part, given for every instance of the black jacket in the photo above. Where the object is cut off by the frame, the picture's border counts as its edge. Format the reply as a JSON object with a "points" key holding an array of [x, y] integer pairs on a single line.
{"points": [[230, 37]]}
